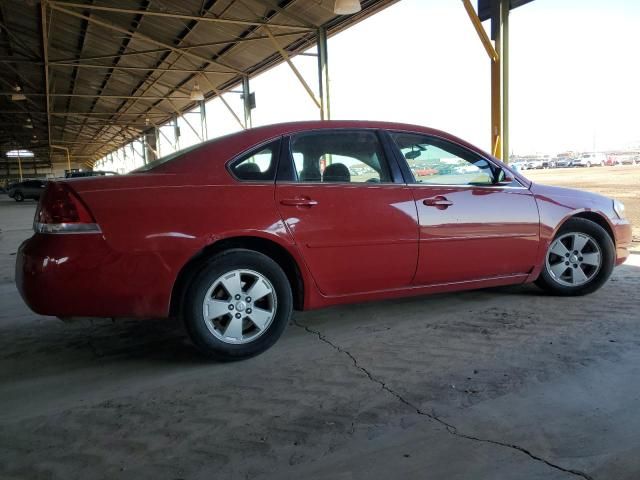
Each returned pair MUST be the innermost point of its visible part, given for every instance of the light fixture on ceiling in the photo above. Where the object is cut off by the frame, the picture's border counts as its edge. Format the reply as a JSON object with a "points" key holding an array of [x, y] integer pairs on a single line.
{"points": [[346, 7], [196, 93], [18, 96]]}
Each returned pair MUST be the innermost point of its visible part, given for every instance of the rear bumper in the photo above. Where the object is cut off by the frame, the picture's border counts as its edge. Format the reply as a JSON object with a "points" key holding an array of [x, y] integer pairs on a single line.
{"points": [[623, 234], [80, 275]]}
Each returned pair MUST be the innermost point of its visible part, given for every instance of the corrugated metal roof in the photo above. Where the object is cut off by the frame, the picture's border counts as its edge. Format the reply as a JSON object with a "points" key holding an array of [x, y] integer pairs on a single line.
{"points": [[227, 39]]}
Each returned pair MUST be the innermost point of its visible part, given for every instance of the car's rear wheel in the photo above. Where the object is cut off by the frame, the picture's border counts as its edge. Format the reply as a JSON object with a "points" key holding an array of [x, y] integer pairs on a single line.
{"points": [[238, 305], [579, 260], [18, 196]]}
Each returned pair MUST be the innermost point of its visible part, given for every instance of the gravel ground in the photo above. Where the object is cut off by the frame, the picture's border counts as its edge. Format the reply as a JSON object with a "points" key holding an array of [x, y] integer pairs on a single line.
{"points": [[493, 384]]}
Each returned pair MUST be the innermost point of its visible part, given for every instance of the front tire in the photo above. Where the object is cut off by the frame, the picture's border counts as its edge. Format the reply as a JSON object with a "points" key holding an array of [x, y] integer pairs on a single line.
{"points": [[579, 260], [238, 305], [18, 197]]}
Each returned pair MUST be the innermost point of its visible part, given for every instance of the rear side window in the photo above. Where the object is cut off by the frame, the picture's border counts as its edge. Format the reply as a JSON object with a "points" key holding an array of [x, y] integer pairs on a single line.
{"points": [[259, 165]]}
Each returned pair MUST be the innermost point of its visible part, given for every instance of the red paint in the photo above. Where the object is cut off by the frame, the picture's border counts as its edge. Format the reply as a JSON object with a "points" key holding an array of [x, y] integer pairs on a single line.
{"points": [[350, 242], [475, 232]]}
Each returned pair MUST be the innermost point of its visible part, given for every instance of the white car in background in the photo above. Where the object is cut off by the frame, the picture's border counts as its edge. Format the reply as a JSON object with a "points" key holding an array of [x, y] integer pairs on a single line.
{"points": [[590, 160], [535, 163]]}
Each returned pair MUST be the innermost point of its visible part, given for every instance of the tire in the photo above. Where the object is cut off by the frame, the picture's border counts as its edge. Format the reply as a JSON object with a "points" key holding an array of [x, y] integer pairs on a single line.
{"points": [[228, 336], [588, 164], [18, 196], [598, 246]]}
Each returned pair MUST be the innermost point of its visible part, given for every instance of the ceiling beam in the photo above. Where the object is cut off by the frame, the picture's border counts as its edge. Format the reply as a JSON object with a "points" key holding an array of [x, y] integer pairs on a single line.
{"points": [[165, 49], [106, 67], [45, 57], [176, 15], [116, 28], [93, 95]]}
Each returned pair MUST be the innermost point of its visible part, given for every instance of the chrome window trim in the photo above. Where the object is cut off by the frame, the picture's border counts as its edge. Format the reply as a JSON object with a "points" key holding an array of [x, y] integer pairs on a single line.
{"points": [[439, 185]]}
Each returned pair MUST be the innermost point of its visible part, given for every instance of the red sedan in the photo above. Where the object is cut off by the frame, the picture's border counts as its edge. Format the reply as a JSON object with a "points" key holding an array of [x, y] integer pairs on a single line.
{"points": [[234, 234]]}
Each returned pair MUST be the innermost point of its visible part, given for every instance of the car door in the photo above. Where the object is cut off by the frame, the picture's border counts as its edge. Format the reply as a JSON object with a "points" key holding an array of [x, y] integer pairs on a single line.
{"points": [[33, 188], [470, 227], [352, 216]]}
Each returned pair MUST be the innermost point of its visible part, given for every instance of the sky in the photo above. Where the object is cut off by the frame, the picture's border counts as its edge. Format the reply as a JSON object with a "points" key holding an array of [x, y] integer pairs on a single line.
{"points": [[575, 74], [574, 69]]}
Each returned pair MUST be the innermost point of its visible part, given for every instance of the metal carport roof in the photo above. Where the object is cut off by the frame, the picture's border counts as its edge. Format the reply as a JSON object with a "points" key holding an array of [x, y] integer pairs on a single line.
{"points": [[114, 66]]}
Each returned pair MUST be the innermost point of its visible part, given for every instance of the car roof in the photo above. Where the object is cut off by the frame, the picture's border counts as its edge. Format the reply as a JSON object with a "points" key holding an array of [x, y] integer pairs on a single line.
{"points": [[230, 145]]}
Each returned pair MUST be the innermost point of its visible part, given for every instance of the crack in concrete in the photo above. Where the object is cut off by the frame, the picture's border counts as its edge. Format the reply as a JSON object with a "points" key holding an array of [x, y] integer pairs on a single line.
{"points": [[452, 429]]}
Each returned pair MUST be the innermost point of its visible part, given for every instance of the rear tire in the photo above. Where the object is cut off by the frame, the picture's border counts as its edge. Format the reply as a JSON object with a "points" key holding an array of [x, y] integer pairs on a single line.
{"points": [[223, 320], [579, 260], [18, 197]]}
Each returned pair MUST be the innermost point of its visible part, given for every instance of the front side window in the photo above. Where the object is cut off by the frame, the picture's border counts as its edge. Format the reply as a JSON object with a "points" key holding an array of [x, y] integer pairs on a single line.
{"points": [[257, 165], [438, 162], [340, 156]]}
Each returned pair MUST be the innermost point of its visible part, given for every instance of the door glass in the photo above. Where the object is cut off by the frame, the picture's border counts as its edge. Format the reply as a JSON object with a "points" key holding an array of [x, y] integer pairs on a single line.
{"points": [[339, 157], [437, 162]]}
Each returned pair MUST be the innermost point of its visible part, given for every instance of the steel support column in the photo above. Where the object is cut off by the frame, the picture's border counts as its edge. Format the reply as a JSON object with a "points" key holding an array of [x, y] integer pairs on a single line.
{"points": [[323, 75], [203, 120], [500, 80], [504, 60], [45, 56], [499, 56], [246, 99], [66, 150], [19, 164]]}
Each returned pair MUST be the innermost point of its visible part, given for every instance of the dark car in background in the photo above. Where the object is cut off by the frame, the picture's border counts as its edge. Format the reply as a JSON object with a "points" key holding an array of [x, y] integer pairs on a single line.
{"points": [[87, 173], [26, 189], [564, 162]]}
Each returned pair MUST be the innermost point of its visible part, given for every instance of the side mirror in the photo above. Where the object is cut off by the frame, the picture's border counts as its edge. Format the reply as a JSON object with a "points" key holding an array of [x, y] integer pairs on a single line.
{"points": [[504, 178]]}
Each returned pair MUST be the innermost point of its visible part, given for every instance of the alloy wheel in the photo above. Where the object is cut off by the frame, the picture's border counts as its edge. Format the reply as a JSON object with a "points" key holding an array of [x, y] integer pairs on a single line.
{"points": [[573, 259], [239, 306]]}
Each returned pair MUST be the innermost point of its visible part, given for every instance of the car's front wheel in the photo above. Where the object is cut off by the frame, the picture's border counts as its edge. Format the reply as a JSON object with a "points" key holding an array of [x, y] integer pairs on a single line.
{"points": [[579, 260], [18, 197], [238, 305]]}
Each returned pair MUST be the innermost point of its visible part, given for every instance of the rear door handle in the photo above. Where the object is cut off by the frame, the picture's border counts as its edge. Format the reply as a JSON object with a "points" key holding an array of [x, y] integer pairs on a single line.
{"points": [[299, 202], [438, 202]]}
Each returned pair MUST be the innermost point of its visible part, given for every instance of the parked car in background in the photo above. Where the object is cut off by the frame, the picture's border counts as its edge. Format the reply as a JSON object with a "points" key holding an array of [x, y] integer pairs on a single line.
{"points": [[564, 162], [519, 165], [26, 189], [425, 171], [625, 160], [535, 164], [549, 163], [590, 160], [233, 234], [622, 159]]}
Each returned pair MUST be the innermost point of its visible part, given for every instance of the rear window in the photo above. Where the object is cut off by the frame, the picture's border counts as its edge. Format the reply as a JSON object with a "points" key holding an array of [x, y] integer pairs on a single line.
{"points": [[259, 165]]}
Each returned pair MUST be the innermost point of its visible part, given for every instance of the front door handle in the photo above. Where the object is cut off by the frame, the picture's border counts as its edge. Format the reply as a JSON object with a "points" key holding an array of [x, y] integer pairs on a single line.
{"points": [[438, 202], [299, 202]]}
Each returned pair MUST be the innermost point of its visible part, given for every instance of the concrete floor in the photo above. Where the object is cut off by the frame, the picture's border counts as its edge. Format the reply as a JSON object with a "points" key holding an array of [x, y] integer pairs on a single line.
{"points": [[495, 384]]}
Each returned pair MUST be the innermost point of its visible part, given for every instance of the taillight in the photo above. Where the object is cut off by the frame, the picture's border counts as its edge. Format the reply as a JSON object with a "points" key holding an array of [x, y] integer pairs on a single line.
{"points": [[61, 211]]}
